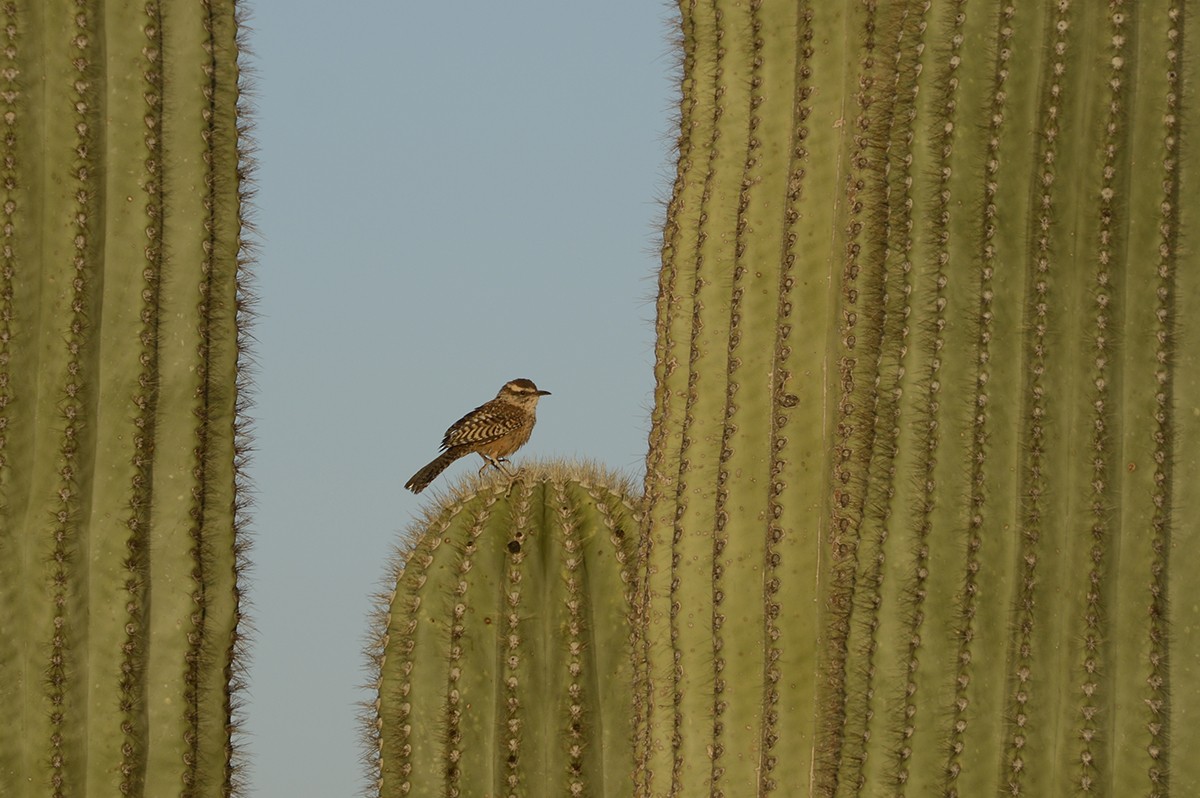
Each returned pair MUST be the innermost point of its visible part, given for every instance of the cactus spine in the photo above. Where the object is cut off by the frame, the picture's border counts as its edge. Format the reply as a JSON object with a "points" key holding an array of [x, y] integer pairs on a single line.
{"points": [[119, 397], [503, 662], [927, 400]]}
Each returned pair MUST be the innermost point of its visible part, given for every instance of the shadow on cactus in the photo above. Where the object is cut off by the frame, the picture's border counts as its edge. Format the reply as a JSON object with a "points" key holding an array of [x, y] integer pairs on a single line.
{"points": [[502, 657]]}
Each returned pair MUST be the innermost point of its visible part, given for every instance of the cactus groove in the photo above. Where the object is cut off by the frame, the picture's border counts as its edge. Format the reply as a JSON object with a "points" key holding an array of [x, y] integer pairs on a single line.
{"points": [[927, 406], [502, 659], [121, 332]]}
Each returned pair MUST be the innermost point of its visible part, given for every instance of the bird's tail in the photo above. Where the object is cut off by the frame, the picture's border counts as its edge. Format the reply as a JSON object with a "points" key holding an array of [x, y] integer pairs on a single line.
{"points": [[422, 478]]}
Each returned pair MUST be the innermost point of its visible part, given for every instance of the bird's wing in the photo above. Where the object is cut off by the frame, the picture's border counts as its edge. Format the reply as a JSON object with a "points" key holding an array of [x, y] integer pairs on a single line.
{"points": [[485, 423]]}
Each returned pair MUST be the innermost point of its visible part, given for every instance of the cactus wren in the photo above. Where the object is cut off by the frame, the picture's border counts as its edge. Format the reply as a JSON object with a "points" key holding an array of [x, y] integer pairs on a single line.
{"points": [[493, 430]]}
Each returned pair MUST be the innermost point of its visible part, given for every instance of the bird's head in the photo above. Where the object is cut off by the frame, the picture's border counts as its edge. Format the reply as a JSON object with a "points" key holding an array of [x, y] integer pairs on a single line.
{"points": [[521, 389]]}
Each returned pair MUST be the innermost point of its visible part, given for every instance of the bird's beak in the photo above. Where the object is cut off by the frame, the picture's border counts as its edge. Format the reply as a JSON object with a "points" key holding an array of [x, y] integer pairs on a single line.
{"points": [[543, 393]]}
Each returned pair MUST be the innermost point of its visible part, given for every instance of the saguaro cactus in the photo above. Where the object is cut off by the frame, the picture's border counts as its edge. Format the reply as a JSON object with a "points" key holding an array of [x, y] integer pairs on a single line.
{"points": [[120, 241], [503, 659], [928, 405]]}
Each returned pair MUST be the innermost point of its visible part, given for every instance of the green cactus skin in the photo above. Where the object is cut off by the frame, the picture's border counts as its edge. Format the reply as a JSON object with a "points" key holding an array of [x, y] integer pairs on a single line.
{"points": [[502, 662], [739, 416], [120, 337], [927, 407]]}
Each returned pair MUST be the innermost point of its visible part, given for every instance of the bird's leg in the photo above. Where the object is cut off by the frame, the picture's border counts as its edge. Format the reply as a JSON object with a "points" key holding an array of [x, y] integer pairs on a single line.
{"points": [[495, 463]]}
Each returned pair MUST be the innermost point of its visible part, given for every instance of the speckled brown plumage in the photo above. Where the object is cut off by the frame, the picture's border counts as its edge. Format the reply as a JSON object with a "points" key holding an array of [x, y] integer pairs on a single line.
{"points": [[494, 430]]}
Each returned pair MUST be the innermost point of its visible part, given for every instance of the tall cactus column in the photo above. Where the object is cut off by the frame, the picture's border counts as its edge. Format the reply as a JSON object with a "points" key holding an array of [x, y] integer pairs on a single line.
{"points": [[928, 405], [737, 487], [119, 351]]}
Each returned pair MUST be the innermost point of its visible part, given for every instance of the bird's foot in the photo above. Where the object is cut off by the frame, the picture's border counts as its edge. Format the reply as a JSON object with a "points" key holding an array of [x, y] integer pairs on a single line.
{"points": [[497, 464]]}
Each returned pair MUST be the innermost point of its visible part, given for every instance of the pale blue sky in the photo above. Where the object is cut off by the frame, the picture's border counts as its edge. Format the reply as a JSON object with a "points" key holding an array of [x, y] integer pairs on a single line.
{"points": [[450, 195]]}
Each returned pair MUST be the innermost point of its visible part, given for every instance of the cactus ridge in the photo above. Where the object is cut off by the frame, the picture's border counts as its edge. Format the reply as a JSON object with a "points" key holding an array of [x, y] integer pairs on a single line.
{"points": [[774, 735], [876, 295], [968, 605], [854, 428], [137, 562], [735, 418], [661, 461], [1038, 403], [1156, 663], [1096, 687], [703, 345]]}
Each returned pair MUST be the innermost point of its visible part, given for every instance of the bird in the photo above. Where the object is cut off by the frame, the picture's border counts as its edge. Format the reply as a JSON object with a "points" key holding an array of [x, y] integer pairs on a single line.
{"points": [[494, 430]]}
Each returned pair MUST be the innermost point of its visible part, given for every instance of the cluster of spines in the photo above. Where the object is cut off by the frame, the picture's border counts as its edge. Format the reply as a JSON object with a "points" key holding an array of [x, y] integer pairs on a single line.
{"points": [[1157, 708], [880, 241], [392, 749], [454, 709], [135, 563], [965, 627], [720, 533], [214, 660], [628, 557], [657, 697], [668, 298], [575, 738], [511, 639], [782, 402], [10, 92], [965, 631], [943, 148], [237, 77], [661, 469], [72, 407], [1036, 403], [894, 359], [1091, 701], [617, 533], [854, 410], [685, 477], [659, 472], [205, 401]]}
